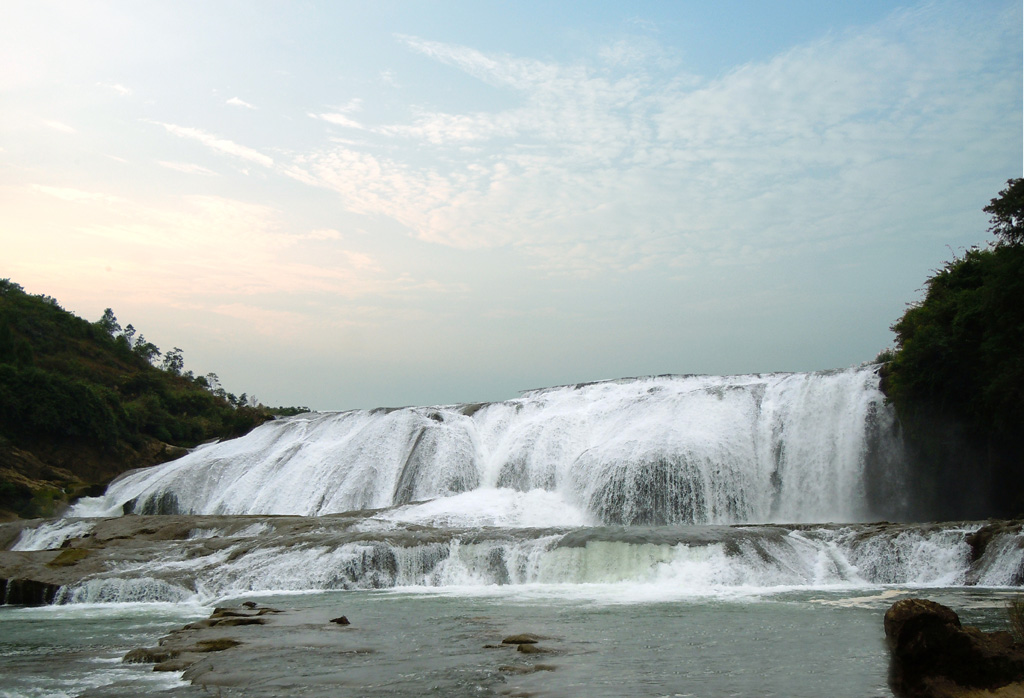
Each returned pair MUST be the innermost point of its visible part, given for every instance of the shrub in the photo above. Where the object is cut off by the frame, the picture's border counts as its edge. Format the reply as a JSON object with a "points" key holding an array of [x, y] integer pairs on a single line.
{"points": [[1015, 614]]}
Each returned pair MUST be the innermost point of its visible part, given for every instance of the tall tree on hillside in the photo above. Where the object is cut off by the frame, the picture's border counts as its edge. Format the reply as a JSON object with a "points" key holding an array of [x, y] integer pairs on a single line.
{"points": [[174, 362], [957, 375], [1007, 211], [108, 323]]}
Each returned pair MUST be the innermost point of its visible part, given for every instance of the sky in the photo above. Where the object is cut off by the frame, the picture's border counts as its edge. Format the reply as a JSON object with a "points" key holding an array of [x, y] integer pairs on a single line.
{"points": [[348, 205]]}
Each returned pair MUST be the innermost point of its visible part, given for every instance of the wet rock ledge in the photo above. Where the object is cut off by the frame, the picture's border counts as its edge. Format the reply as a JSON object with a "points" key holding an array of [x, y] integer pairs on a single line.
{"points": [[182, 648], [252, 650], [933, 656]]}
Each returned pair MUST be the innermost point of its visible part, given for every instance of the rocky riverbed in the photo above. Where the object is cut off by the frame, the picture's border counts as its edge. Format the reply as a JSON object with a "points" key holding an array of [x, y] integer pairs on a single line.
{"points": [[235, 649]]}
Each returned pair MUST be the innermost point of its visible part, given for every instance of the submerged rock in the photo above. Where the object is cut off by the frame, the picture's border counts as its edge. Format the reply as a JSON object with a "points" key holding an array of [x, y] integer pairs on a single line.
{"points": [[934, 656], [149, 655], [521, 639], [183, 648], [525, 668]]}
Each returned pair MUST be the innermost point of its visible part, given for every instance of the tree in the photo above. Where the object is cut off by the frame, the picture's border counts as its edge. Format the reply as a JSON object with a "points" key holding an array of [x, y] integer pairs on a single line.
{"points": [[8, 286], [108, 323], [144, 349], [173, 361], [957, 375], [1007, 211], [6, 342]]}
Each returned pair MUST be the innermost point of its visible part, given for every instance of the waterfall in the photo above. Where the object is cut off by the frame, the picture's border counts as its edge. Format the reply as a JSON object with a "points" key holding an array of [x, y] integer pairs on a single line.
{"points": [[208, 558], [663, 450]]}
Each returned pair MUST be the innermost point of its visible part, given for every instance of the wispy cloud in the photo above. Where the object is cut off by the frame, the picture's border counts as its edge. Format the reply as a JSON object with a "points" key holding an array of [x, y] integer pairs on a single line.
{"points": [[644, 24], [187, 168], [620, 164], [236, 102], [226, 249], [337, 120], [78, 195], [59, 126], [323, 234], [217, 143], [353, 105], [116, 87]]}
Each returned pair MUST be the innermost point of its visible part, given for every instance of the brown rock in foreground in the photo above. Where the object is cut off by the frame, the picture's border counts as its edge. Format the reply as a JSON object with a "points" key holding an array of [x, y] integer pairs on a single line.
{"points": [[183, 648], [933, 656]]}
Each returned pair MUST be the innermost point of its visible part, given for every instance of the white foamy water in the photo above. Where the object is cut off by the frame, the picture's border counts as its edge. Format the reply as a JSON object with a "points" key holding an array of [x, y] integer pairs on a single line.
{"points": [[52, 534], [645, 562], [486, 506], [664, 450]]}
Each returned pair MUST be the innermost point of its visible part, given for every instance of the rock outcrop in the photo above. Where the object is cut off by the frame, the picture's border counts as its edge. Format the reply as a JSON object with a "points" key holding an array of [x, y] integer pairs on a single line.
{"points": [[27, 592], [183, 648], [934, 656]]}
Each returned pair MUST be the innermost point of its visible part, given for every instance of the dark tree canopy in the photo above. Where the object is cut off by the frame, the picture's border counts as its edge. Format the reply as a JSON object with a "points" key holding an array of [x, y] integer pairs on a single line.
{"points": [[957, 374], [1007, 211]]}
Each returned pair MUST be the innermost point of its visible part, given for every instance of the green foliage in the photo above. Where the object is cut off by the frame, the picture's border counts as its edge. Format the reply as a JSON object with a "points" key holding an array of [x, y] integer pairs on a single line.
{"points": [[64, 379], [173, 361], [26, 502], [39, 403], [287, 411], [14, 496], [956, 377], [1015, 614], [85, 402], [1007, 211], [109, 324], [885, 356], [960, 351]]}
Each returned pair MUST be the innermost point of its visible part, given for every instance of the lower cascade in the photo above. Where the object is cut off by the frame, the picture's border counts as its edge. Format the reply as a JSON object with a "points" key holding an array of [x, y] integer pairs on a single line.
{"points": [[205, 558], [665, 450]]}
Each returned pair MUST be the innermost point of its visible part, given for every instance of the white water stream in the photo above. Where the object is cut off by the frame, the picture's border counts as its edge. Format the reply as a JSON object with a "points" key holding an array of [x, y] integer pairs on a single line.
{"points": [[665, 450]]}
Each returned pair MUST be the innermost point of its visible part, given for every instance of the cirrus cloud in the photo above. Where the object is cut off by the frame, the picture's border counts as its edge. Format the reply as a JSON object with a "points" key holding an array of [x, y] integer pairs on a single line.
{"points": [[217, 143], [620, 164]]}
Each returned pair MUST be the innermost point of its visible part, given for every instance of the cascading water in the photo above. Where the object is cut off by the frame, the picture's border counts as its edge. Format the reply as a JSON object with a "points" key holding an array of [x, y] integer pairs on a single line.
{"points": [[647, 451], [202, 559], [671, 483]]}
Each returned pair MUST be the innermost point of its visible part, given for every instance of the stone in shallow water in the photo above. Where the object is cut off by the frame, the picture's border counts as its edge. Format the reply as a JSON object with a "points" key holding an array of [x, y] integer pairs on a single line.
{"points": [[148, 655], [933, 656], [525, 668], [522, 639]]}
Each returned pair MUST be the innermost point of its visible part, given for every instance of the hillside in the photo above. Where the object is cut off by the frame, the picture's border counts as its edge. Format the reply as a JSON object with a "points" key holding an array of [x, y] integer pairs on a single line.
{"points": [[957, 375], [82, 402]]}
